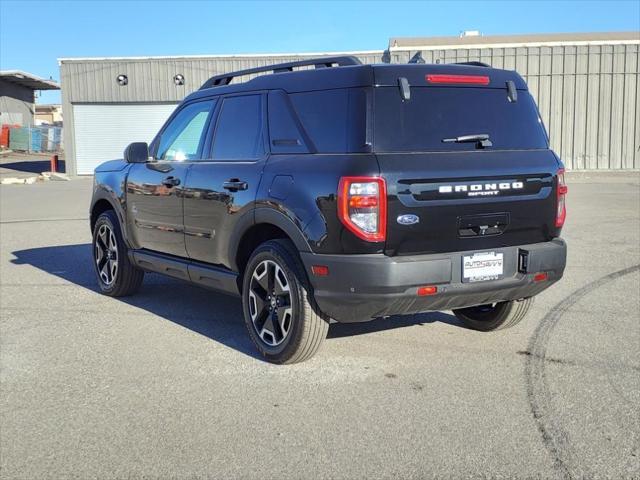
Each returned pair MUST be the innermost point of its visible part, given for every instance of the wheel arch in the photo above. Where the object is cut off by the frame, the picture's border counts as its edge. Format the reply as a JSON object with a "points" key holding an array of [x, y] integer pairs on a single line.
{"points": [[268, 224], [104, 198], [100, 206]]}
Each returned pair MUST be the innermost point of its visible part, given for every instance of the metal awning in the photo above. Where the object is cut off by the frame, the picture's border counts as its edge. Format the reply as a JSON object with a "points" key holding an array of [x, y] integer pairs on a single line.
{"points": [[28, 80]]}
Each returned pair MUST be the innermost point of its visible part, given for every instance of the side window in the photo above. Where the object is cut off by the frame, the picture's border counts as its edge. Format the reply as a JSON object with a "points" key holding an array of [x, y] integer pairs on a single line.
{"points": [[182, 138], [335, 120], [239, 134], [284, 126]]}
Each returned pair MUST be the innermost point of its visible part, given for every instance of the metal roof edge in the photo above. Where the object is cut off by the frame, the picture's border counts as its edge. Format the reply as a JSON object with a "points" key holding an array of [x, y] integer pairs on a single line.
{"points": [[506, 41], [19, 75], [201, 57], [472, 46]]}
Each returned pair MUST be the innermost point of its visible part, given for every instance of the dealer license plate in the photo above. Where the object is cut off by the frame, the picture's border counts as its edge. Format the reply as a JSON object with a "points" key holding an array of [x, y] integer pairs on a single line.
{"points": [[480, 267]]}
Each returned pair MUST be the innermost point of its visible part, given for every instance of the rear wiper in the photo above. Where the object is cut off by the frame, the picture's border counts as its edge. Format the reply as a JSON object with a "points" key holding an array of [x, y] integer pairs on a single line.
{"points": [[481, 140]]}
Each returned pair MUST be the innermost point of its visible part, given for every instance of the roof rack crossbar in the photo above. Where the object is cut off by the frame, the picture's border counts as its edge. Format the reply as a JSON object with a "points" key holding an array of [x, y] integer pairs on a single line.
{"points": [[320, 62]]}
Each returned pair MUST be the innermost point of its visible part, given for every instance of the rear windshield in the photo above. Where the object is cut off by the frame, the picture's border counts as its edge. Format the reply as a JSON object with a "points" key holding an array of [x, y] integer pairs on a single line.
{"points": [[435, 113]]}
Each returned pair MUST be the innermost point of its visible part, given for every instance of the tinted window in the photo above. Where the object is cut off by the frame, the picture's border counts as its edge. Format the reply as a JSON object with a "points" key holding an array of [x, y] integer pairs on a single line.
{"points": [[335, 120], [239, 133], [284, 128], [434, 113], [182, 138]]}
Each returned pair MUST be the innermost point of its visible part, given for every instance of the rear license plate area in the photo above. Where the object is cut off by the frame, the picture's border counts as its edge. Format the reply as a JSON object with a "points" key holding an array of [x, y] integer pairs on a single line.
{"points": [[482, 267]]}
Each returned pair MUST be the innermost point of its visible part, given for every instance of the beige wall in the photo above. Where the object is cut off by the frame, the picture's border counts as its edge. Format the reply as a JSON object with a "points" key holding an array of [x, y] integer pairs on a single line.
{"points": [[48, 115]]}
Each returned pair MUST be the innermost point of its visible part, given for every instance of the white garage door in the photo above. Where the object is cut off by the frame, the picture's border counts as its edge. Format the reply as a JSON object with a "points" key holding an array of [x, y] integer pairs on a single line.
{"points": [[102, 132]]}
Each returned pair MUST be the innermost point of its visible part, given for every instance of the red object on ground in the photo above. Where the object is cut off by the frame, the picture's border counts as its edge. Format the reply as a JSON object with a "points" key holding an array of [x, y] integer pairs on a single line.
{"points": [[54, 163], [4, 136]]}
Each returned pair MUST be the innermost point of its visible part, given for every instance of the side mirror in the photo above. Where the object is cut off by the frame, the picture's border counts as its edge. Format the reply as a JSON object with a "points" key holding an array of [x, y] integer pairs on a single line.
{"points": [[137, 152]]}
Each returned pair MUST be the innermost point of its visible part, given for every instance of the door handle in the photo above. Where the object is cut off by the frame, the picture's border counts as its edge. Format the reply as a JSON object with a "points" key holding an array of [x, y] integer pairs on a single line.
{"points": [[233, 185], [171, 182]]}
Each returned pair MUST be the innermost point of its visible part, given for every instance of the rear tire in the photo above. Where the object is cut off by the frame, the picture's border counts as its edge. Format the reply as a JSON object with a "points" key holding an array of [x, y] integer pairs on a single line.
{"points": [[486, 318], [279, 312], [117, 276]]}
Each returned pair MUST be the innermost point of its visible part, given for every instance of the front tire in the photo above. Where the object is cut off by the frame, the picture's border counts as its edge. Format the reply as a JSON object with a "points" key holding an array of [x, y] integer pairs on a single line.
{"points": [[495, 316], [279, 313], [117, 276]]}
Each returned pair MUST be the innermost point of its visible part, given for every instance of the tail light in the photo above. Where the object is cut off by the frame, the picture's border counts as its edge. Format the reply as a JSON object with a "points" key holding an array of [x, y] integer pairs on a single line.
{"points": [[561, 192], [362, 207]]}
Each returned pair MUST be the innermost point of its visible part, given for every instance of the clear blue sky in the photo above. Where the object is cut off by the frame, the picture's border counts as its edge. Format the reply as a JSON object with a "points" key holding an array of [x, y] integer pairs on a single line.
{"points": [[34, 34]]}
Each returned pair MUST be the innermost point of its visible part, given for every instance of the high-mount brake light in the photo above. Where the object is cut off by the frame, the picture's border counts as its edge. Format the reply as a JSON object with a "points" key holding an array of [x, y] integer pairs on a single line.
{"points": [[561, 194], [458, 79], [362, 207]]}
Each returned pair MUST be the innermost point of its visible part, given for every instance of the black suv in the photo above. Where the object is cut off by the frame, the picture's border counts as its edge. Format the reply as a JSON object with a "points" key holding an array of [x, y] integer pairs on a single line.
{"points": [[330, 190]]}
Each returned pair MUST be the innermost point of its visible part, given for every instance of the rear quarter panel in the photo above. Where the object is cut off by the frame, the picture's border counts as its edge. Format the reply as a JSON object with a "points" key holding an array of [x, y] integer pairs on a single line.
{"points": [[309, 197]]}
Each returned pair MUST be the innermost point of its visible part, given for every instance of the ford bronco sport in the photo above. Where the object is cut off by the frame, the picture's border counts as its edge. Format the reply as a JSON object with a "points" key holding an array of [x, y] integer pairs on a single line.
{"points": [[327, 190]]}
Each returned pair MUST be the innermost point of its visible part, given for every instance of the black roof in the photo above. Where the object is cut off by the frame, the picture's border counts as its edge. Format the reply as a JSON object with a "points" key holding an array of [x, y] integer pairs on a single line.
{"points": [[348, 76], [321, 62]]}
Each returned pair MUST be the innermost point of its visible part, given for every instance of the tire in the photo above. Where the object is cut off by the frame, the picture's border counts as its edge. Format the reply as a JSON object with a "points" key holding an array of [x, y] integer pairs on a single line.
{"points": [[109, 248], [286, 327], [486, 318]]}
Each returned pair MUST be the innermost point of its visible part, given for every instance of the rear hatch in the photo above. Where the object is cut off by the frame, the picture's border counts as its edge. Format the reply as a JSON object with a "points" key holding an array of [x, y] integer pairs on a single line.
{"points": [[448, 193]]}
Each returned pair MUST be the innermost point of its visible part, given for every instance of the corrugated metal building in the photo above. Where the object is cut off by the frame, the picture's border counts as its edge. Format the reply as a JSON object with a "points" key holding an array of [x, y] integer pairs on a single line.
{"points": [[586, 85], [104, 112]]}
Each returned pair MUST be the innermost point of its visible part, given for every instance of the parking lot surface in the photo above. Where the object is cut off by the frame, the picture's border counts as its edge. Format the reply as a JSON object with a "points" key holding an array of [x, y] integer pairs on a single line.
{"points": [[166, 384], [23, 165]]}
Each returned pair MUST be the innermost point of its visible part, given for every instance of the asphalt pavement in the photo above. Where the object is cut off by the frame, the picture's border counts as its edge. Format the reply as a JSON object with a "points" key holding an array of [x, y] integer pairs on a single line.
{"points": [[166, 384]]}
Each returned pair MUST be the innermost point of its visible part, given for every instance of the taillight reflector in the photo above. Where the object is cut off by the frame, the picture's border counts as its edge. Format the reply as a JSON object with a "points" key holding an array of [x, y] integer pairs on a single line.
{"points": [[561, 193], [540, 277], [459, 79], [320, 270], [426, 291], [362, 207]]}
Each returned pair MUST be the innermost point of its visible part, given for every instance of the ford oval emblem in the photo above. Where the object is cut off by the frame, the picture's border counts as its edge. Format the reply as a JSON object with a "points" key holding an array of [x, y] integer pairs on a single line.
{"points": [[408, 219]]}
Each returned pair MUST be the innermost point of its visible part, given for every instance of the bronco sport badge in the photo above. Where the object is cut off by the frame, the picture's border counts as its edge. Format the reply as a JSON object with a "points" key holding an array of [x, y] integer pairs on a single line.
{"points": [[481, 189]]}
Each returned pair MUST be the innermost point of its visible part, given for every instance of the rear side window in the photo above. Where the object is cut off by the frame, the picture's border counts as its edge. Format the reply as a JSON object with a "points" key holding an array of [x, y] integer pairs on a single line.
{"points": [[239, 133], [435, 113], [182, 138], [334, 120]]}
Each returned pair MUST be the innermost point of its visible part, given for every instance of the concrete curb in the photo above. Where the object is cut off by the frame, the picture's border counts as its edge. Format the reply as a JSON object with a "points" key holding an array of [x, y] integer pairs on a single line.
{"points": [[43, 177]]}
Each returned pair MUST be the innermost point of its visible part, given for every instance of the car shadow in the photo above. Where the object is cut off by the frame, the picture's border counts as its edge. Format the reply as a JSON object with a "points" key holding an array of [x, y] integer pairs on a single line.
{"points": [[33, 166], [339, 330], [214, 315]]}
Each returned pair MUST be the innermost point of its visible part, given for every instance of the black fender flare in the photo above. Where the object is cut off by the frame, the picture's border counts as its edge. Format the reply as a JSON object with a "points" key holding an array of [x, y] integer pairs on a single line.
{"points": [[267, 216], [105, 194]]}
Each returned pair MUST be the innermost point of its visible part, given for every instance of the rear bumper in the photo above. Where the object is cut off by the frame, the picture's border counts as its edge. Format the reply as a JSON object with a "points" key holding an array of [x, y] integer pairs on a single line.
{"points": [[362, 287]]}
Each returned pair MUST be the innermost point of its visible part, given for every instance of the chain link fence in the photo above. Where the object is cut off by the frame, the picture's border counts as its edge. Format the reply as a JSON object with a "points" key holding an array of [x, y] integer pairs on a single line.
{"points": [[42, 139]]}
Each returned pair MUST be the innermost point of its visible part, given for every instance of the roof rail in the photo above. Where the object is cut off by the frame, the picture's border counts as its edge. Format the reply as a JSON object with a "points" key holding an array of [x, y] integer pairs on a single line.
{"points": [[474, 64], [320, 62]]}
